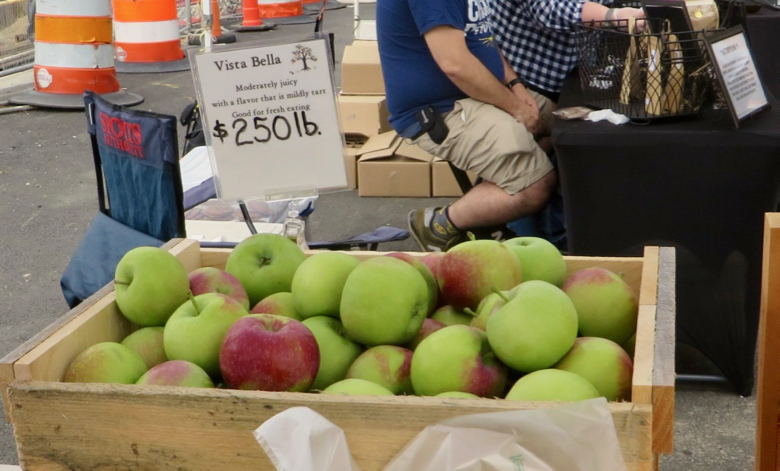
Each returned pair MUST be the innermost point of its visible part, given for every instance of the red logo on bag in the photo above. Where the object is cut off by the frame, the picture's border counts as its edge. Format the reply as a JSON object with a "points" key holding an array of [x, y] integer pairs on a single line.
{"points": [[122, 135]]}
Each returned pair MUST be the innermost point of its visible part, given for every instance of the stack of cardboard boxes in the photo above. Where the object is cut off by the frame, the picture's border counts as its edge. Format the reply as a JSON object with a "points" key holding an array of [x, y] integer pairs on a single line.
{"points": [[379, 162]]}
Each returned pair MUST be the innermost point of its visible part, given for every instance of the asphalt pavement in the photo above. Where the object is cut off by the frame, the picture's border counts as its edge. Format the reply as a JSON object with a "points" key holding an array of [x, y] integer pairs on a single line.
{"points": [[47, 183]]}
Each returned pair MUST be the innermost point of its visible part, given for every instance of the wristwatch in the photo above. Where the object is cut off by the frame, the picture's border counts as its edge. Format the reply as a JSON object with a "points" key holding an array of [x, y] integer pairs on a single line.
{"points": [[514, 82]]}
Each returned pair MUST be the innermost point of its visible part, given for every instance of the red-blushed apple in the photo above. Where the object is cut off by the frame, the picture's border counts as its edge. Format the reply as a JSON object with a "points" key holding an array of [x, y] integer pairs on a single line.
{"points": [[357, 387], [431, 260], [177, 373], [606, 305], [106, 362], [319, 282], [384, 302], [448, 315], [425, 271], [196, 330], [457, 358], [215, 280], [603, 363], [280, 304], [269, 353], [147, 342], [265, 264], [150, 283], [535, 328], [469, 271], [428, 327], [457, 395], [552, 385], [539, 259], [385, 365], [337, 351]]}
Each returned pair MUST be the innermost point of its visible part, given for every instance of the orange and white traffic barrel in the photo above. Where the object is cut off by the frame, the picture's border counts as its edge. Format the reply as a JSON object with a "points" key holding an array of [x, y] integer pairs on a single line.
{"points": [[146, 37], [285, 12], [74, 52]]}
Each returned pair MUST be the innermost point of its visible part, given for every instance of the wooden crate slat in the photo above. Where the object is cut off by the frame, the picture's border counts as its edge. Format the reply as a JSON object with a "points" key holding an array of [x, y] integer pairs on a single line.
{"points": [[76, 426], [664, 354], [768, 387]]}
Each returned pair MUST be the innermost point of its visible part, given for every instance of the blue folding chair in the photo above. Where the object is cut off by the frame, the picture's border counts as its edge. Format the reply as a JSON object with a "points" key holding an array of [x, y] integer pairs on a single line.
{"points": [[140, 196]]}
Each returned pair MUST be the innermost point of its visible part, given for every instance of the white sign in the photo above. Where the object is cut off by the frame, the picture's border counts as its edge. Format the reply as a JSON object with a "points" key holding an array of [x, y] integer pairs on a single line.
{"points": [[739, 74], [271, 119]]}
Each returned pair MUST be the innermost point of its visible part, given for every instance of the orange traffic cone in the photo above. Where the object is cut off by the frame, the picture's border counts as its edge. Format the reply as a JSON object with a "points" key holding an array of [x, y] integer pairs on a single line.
{"points": [[251, 20], [74, 52], [216, 27], [147, 37]]}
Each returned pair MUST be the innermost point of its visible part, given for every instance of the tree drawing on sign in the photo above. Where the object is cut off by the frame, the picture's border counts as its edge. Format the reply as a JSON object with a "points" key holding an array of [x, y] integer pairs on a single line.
{"points": [[304, 54]]}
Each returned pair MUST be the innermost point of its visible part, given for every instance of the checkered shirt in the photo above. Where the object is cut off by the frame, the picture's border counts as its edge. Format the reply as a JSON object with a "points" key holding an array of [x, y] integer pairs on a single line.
{"points": [[537, 38]]}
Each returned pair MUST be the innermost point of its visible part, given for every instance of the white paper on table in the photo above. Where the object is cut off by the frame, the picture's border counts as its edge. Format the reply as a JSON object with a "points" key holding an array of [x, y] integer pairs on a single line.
{"points": [[299, 439]]}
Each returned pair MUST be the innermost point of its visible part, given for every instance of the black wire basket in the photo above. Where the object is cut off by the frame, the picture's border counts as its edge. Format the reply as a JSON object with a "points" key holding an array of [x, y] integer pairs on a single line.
{"points": [[641, 75]]}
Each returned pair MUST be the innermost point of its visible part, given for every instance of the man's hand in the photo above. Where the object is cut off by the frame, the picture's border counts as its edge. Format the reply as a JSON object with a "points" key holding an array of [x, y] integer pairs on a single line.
{"points": [[626, 13], [528, 111]]}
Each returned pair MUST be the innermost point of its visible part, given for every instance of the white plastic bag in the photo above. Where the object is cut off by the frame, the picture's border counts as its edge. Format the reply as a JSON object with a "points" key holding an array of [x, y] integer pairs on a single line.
{"points": [[573, 437]]}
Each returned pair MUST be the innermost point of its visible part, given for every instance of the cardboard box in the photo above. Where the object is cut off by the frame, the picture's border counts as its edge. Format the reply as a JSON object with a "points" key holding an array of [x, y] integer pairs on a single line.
{"points": [[388, 166], [443, 182], [361, 72], [75, 425], [366, 115], [352, 143]]}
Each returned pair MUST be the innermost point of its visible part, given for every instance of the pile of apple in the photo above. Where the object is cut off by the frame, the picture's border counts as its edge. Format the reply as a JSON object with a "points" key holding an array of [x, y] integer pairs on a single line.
{"points": [[484, 319]]}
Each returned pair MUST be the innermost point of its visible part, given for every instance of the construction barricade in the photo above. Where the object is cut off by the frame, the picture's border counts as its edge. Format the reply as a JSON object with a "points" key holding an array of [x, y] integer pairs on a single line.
{"points": [[74, 52], [285, 12], [147, 37]]}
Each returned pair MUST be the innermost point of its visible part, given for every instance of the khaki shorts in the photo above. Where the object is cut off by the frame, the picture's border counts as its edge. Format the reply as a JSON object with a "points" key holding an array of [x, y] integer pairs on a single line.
{"points": [[491, 143]]}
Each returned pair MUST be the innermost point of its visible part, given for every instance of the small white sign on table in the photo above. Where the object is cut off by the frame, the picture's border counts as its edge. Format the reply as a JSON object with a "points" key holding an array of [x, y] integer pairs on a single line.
{"points": [[738, 75], [270, 118]]}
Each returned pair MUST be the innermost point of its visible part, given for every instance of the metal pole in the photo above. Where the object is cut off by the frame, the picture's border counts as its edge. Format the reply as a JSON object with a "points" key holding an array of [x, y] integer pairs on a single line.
{"points": [[206, 22]]}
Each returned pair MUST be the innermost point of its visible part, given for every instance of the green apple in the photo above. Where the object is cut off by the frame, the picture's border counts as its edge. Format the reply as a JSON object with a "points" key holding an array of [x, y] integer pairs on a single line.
{"points": [[196, 330], [425, 271], [603, 363], [458, 395], [216, 280], [319, 282], [488, 306], [337, 351], [384, 302], [177, 373], [150, 283], [539, 259], [385, 365], [469, 271], [534, 329], [357, 387], [280, 304], [106, 362], [264, 264], [448, 315], [457, 358], [606, 305], [552, 385], [147, 342]]}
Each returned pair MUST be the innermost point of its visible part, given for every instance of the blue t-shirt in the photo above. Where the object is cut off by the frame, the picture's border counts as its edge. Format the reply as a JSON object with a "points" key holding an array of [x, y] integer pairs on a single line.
{"points": [[413, 80]]}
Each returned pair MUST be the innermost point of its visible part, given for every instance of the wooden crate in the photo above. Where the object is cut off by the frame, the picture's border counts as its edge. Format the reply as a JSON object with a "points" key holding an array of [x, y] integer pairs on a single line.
{"points": [[63, 426], [768, 388]]}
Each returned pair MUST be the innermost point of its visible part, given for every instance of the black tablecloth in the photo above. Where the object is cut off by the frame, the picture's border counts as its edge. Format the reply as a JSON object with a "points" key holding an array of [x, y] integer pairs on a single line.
{"points": [[763, 28], [696, 184]]}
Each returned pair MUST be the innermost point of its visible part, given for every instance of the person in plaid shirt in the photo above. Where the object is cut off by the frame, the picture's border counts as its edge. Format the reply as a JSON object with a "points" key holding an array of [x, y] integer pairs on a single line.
{"points": [[537, 37]]}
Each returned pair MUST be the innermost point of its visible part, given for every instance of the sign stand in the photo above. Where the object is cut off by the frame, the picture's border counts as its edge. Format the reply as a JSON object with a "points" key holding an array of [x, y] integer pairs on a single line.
{"points": [[271, 121], [737, 75]]}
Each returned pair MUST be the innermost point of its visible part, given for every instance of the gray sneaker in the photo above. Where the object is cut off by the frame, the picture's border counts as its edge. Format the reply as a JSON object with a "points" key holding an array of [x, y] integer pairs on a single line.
{"points": [[419, 225]]}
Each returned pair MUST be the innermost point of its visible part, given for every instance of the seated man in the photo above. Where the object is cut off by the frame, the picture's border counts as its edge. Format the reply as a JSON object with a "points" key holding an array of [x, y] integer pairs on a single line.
{"points": [[537, 37], [439, 56]]}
